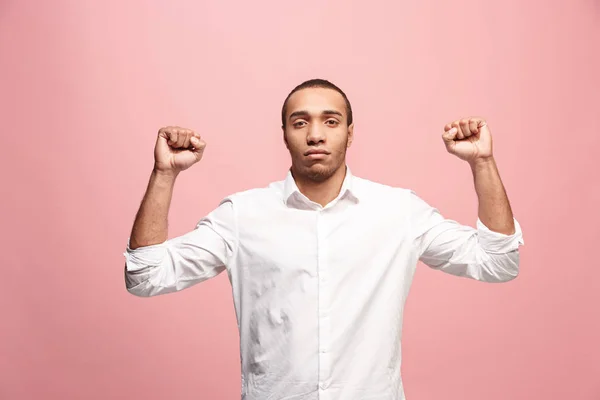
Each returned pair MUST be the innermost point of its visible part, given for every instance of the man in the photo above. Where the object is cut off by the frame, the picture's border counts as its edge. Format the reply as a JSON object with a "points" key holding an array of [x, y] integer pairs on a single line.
{"points": [[320, 263]]}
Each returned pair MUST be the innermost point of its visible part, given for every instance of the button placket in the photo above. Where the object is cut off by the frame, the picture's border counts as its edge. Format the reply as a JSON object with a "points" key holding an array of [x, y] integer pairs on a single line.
{"points": [[323, 304]]}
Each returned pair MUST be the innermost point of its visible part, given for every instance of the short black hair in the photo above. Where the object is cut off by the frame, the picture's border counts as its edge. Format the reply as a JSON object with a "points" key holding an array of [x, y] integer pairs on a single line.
{"points": [[317, 83]]}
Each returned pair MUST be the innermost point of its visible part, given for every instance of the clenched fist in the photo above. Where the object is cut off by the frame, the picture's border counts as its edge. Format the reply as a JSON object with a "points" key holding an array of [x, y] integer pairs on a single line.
{"points": [[177, 149], [469, 139]]}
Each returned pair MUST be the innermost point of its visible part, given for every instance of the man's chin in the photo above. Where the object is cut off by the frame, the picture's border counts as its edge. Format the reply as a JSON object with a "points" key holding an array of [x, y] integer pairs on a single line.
{"points": [[319, 172]]}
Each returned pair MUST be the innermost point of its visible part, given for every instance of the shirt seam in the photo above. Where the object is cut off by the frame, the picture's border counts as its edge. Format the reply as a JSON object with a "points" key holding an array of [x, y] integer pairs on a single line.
{"points": [[236, 233]]}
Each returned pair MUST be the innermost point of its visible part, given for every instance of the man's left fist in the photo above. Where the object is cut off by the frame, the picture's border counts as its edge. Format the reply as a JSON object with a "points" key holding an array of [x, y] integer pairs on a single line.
{"points": [[469, 139]]}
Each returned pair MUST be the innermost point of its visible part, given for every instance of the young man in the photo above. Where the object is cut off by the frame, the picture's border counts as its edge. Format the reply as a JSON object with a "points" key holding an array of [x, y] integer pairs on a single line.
{"points": [[320, 263]]}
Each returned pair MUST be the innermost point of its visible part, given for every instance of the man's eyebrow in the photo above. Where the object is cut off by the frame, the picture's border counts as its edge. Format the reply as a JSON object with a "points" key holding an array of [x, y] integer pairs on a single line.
{"points": [[332, 112], [301, 113], [304, 113]]}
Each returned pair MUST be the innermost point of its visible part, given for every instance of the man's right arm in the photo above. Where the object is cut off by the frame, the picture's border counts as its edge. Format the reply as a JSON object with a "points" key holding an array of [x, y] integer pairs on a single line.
{"points": [[151, 222], [183, 261], [155, 265]]}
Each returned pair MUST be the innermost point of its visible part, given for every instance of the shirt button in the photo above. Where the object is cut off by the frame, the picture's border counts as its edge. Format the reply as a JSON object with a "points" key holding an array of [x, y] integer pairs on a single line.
{"points": [[323, 386]]}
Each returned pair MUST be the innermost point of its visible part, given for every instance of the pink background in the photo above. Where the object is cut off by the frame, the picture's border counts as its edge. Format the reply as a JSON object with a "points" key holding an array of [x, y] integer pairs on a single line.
{"points": [[85, 88]]}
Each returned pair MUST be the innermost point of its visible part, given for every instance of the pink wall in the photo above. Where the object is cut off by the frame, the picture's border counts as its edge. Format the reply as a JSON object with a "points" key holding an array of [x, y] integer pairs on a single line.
{"points": [[85, 88]]}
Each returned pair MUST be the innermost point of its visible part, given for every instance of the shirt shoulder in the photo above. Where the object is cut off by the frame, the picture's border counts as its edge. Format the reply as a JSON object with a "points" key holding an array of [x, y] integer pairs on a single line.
{"points": [[377, 191], [273, 190]]}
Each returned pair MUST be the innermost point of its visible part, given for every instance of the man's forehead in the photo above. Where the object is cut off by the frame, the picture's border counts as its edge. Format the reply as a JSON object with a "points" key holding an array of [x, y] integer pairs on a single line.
{"points": [[315, 100]]}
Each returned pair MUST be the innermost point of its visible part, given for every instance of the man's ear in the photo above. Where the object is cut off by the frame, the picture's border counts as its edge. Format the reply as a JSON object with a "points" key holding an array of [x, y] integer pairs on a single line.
{"points": [[350, 134], [284, 137]]}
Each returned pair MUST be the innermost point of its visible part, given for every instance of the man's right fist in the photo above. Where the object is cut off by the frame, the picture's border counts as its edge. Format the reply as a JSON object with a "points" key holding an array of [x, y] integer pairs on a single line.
{"points": [[177, 149]]}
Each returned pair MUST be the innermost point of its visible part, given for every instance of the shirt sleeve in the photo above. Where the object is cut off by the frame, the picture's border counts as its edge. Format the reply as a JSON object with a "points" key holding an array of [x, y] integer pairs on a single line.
{"points": [[186, 260], [476, 253]]}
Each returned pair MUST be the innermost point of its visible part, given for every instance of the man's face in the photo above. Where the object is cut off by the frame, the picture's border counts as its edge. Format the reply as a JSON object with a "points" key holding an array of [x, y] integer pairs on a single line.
{"points": [[317, 133]]}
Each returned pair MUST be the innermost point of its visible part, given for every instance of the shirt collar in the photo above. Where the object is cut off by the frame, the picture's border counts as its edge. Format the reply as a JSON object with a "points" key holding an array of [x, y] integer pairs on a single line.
{"points": [[348, 186]]}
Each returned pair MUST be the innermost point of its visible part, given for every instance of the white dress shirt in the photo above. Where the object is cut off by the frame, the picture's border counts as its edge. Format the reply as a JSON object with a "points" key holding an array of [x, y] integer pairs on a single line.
{"points": [[319, 292]]}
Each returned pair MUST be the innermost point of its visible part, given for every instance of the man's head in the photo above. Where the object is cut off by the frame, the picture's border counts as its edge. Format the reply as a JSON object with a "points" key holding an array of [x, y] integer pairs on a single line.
{"points": [[317, 117]]}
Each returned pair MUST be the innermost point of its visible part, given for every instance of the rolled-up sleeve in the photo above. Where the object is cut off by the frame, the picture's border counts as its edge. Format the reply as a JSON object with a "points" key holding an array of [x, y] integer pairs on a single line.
{"points": [[186, 260], [476, 253]]}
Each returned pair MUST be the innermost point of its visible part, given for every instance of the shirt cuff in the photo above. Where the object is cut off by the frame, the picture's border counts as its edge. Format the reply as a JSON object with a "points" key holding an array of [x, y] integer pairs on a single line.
{"points": [[496, 242], [143, 257]]}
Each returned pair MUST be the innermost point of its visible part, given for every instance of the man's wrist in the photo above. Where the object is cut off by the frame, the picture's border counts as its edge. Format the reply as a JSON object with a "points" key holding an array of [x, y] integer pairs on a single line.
{"points": [[482, 162], [162, 174]]}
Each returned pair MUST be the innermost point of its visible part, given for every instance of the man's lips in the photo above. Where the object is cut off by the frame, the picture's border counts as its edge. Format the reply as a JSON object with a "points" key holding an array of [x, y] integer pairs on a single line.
{"points": [[315, 152]]}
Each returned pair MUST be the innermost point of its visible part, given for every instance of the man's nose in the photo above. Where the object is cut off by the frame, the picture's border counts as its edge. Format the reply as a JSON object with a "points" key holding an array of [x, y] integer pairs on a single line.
{"points": [[316, 134]]}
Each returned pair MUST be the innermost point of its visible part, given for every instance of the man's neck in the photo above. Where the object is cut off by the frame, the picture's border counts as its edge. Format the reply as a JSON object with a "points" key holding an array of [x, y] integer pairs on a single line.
{"points": [[322, 192]]}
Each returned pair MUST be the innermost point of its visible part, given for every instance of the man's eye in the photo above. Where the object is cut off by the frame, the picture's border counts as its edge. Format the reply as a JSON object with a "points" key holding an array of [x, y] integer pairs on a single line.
{"points": [[299, 124], [331, 122]]}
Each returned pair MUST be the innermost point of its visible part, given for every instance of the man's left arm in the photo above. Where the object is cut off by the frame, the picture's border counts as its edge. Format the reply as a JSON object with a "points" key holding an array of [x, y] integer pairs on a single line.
{"points": [[490, 251], [494, 208]]}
